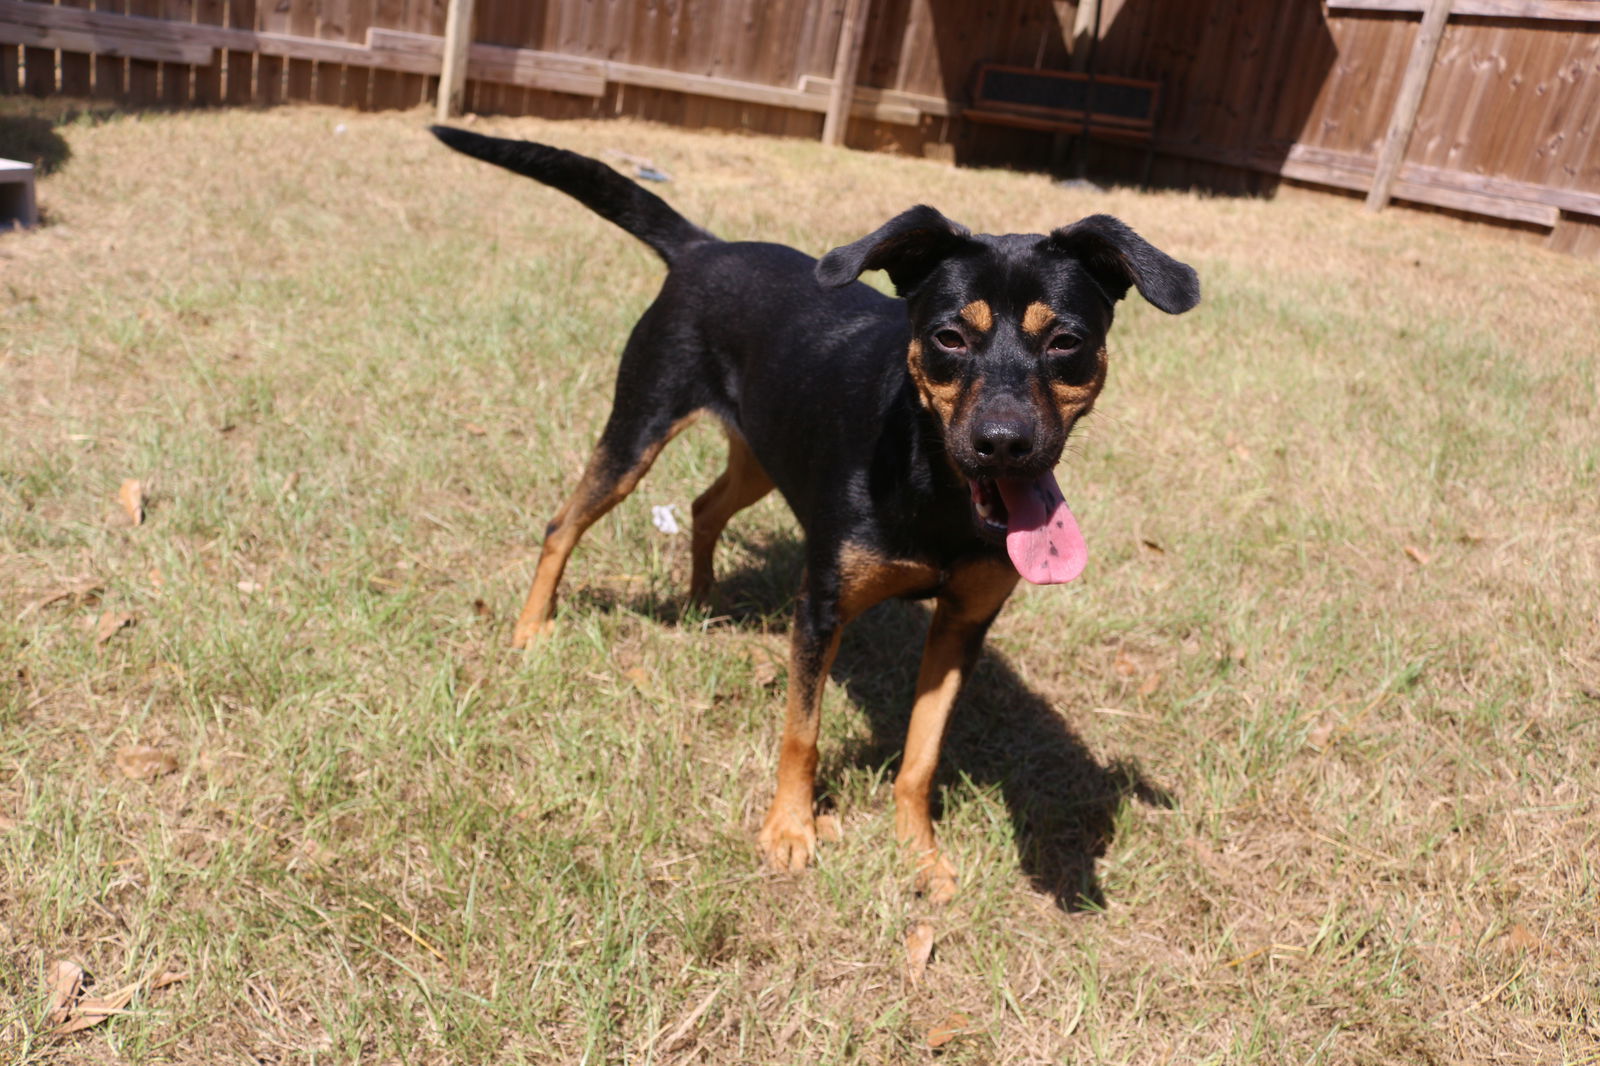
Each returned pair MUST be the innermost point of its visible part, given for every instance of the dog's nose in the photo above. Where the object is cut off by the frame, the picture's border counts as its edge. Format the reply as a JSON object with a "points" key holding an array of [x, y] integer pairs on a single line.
{"points": [[1002, 441]]}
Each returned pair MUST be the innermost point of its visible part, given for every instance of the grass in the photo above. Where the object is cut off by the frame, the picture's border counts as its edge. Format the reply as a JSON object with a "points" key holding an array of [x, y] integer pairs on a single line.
{"points": [[1302, 770]]}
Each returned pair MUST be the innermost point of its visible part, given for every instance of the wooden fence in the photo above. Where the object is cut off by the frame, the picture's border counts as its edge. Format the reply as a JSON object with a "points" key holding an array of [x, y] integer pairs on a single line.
{"points": [[1507, 126], [1255, 91]]}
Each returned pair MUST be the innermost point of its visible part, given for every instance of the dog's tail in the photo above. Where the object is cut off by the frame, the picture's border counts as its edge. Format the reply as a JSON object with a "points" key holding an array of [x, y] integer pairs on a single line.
{"points": [[590, 182]]}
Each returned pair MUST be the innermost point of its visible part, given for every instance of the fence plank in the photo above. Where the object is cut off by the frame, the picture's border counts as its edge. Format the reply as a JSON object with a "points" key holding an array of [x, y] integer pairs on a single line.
{"points": [[1406, 104], [1562, 10], [847, 61], [45, 41], [144, 76], [332, 23], [453, 71], [38, 63], [207, 79], [110, 74], [76, 69], [176, 78], [512, 66], [300, 75], [385, 91]]}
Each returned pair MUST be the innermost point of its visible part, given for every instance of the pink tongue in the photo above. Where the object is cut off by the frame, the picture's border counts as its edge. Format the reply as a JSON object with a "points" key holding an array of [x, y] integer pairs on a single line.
{"points": [[1042, 537]]}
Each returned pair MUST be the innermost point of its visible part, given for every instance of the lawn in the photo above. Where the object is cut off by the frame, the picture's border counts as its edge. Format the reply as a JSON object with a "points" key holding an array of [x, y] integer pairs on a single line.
{"points": [[1303, 769]]}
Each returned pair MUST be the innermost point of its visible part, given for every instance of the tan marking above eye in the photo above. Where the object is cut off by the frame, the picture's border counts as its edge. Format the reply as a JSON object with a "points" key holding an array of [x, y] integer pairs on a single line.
{"points": [[1036, 318], [978, 315]]}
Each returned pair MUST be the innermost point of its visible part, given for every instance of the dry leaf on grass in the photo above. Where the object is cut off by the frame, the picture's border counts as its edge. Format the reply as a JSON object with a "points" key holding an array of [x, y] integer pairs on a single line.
{"points": [[66, 981], [919, 949], [954, 1025], [70, 1014], [141, 762], [1520, 938], [1150, 684], [168, 977], [131, 496], [1418, 556], [90, 1012], [312, 852], [644, 682], [111, 623], [766, 664], [683, 1033], [82, 590], [767, 672]]}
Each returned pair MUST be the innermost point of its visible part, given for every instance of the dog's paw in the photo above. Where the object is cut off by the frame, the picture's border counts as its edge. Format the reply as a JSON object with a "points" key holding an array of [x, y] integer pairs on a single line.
{"points": [[788, 838], [529, 633], [936, 879]]}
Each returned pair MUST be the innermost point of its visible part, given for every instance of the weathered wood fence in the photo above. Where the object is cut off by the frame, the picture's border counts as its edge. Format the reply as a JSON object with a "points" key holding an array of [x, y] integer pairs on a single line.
{"points": [[1501, 118]]}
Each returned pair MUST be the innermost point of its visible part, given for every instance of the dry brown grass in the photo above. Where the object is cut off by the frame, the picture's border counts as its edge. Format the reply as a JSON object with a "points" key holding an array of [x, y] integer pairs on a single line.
{"points": [[1303, 770]]}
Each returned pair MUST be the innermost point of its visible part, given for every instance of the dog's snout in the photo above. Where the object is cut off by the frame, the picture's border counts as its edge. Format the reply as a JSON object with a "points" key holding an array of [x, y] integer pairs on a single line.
{"points": [[1003, 440]]}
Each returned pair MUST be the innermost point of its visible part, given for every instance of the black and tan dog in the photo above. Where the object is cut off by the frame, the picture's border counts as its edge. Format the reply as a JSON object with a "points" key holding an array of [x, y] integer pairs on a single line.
{"points": [[914, 439]]}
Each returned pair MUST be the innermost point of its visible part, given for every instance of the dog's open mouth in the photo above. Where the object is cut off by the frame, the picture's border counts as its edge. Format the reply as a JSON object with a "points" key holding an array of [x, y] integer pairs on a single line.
{"points": [[1041, 535]]}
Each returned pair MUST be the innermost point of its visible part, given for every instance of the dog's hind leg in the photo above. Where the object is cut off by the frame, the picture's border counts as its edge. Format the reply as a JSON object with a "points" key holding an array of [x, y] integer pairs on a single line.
{"points": [[626, 449], [741, 484]]}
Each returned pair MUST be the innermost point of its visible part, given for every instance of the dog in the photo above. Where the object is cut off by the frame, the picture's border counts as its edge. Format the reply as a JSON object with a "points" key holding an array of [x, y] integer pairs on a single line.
{"points": [[913, 438]]}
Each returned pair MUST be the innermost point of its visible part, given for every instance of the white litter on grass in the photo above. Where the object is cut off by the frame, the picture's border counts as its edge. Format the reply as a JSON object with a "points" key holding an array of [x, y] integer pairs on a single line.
{"points": [[662, 518]]}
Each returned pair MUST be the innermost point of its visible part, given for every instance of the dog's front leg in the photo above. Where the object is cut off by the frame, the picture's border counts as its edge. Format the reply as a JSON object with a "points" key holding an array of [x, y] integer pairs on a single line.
{"points": [[789, 835], [955, 638]]}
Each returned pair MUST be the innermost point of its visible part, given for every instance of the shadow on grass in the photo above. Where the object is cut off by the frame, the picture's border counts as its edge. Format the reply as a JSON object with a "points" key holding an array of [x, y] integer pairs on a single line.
{"points": [[1061, 800], [29, 125], [29, 139]]}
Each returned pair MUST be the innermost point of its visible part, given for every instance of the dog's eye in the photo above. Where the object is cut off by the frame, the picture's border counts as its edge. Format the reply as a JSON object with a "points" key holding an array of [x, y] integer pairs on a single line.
{"points": [[1065, 344], [1076, 366], [950, 340]]}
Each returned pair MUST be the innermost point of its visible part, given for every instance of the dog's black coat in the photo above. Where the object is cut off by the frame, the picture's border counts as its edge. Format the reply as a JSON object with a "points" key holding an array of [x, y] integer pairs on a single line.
{"points": [[873, 416]]}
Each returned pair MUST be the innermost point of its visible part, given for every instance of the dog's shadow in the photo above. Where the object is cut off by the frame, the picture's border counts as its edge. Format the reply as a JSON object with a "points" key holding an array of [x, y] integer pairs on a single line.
{"points": [[1062, 801]]}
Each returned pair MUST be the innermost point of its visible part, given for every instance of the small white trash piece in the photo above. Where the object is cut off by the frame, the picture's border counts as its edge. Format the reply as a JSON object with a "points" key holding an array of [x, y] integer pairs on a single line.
{"points": [[662, 518]]}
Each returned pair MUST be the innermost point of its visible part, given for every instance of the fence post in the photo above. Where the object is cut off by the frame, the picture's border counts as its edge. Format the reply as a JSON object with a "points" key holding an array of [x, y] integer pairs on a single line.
{"points": [[1404, 117], [847, 60], [457, 40]]}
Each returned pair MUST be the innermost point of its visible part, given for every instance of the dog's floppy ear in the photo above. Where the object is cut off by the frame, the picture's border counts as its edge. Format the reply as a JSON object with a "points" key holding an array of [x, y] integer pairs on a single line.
{"points": [[908, 246], [1117, 257]]}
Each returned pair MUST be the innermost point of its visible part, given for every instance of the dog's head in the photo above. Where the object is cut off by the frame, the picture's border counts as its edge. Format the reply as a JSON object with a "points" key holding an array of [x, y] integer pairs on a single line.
{"points": [[1008, 352]]}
